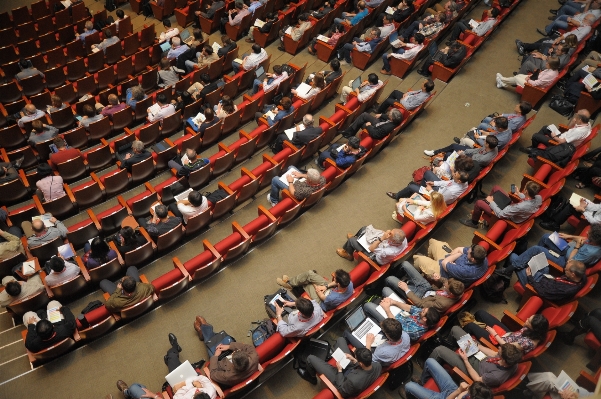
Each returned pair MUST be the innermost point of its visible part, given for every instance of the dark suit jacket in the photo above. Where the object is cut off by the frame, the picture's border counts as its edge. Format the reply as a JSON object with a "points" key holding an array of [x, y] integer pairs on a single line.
{"points": [[401, 15], [214, 7], [224, 50], [135, 158], [63, 329], [331, 75], [303, 137], [451, 60], [322, 13], [11, 173], [381, 129], [267, 27], [211, 87], [205, 125], [155, 230]]}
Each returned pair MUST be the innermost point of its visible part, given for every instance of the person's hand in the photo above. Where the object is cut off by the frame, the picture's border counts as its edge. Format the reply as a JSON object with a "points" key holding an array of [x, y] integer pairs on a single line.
{"points": [[289, 303], [430, 183], [119, 285], [339, 367], [368, 124], [197, 384], [464, 386], [403, 285], [491, 330], [460, 152], [369, 339], [528, 271], [387, 234], [197, 12], [278, 310], [462, 354], [596, 180], [127, 156], [354, 42], [31, 320], [388, 56], [223, 347], [320, 288], [290, 179], [385, 303], [22, 114], [490, 199], [564, 394], [436, 276], [53, 220]]}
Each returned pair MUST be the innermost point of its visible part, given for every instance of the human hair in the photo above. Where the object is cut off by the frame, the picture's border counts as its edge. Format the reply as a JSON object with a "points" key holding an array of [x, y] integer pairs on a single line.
{"points": [[100, 250], [56, 101], [583, 115], [13, 288], [137, 93], [511, 354], [354, 142], [239, 5], [501, 122], [38, 226], [429, 85], [363, 356], [479, 390], [375, 32], [120, 13], [205, 77], [107, 33], [256, 48], [24, 63], [88, 111], [396, 116], [44, 329], [164, 64], [437, 204], [373, 79], [532, 188], [30, 109], [270, 15], [303, 17], [463, 176], [201, 395], [113, 99], [478, 253], [492, 141], [494, 13], [209, 114], [187, 98], [208, 49], [361, 5], [594, 233], [191, 154], [197, 33], [456, 287], [161, 98], [56, 263], [128, 234], [166, 23], [308, 120], [225, 39], [313, 176], [277, 69], [553, 63], [398, 236], [161, 211], [463, 163], [392, 328], [128, 283], [240, 361], [419, 38], [89, 25], [195, 198], [286, 103], [59, 142], [227, 105], [432, 317], [175, 41], [540, 327], [570, 41], [37, 125], [342, 277], [304, 306], [137, 146], [525, 107], [318, 81], [577, 267]]}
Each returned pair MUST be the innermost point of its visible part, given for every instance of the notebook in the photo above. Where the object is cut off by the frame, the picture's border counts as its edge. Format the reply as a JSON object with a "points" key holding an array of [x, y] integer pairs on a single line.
{"points": [[28, 268], [363, 241], [290, 132], [303, 89], [259, 23], [216, 47], [154, 109], [559, 242], [181, 373], [501, 199], [165, 46], [575, 200], [323, 38], [361, 325], [356, 83], [284, 177]]}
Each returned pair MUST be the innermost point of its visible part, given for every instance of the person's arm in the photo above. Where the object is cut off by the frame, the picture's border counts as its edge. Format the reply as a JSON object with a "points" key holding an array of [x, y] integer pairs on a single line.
{"points": [[61, 227], [470, 370], [579, 243], [450, 259], [463, 387], [179, 385]]}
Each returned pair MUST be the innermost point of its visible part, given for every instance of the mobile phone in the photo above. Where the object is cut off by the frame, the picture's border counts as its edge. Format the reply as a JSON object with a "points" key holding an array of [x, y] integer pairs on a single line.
{"points": [[53, 148], [553, 253], [446, 248], [280, 303], [513, 189]]}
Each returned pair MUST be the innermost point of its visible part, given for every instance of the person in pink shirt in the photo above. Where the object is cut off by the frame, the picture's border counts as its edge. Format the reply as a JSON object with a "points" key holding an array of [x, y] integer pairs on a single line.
{"points": [[545, 77], [114, 106]]}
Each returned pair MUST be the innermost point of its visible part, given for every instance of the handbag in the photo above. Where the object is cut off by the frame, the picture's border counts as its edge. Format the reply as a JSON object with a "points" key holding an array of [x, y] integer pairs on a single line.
{"points": [[418, 174], [561, 105]]}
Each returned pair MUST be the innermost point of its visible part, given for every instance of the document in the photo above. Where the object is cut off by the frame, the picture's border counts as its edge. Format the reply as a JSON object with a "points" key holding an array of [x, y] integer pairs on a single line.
{"points": [[323, 38], [565, 383], [575, 200], [363, 241], [341, 358], [553, 129], [389, 10], [393, 309], [537, 263], [216, 47], [154, 109], [473, 23], [468, 345], [396, 43], [303, 89], [54, 315], [239, 61], [66, 251], [590, 81], [559, 242], [259, 23], [451, 159], [270, 114], [198, 119], [290, 132], [289, 30], [284, 177], [183, 195], [45, 219], [28, 268]]}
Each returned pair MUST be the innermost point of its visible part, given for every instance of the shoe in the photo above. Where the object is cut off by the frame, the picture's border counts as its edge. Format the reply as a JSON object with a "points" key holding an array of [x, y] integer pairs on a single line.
{"points": [[429, 153], [283, 282], [17, 163], [199, 364], [281, 48], [552, 18], [417, 380], [520, 46], [343, 62], [515, 73], [551, 226], [270, 201], [456, 140], [310, 51], [385, 72], [304, 374], [394, 217], [343, 254], [349, 235], [402, 392], [500, 83], [197, 323], [423, 73], [526, 150], [121, 385], [542, 32], [391, 195], [173, 342], [554, 12], [527, 394], [247, 40], [468, 222], [165, 359]]}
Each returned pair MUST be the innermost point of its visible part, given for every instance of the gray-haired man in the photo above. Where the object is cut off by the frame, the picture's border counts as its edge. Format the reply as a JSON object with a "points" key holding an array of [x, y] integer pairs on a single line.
{"points": [[378, 126], [383, 246], [301, 185], [305, 132]]}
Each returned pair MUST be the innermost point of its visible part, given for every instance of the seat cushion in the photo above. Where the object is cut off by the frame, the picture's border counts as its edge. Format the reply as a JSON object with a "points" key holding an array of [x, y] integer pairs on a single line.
{"points": [[256, 224], [167, 279]]}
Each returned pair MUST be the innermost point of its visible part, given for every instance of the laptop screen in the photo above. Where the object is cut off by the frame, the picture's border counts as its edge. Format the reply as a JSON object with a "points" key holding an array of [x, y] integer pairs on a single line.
{"points": [[165, 46], [356, 83], [260, 71], [356, 318], [184, 35], [393, 36]]}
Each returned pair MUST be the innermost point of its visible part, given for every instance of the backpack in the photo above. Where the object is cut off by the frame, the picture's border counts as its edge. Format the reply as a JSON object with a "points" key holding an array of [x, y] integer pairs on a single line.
{"points": [[559, 154], [493, 289], [265, 329], [558, 202], [418, 174], [315, 347], [270, 309], [561, 105], [109, 5]]}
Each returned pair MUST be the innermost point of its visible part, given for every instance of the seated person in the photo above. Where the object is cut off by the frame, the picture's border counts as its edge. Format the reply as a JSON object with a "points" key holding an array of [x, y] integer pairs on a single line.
{"points": [[306, 316], [427, 26], [353, 18], [128, 291], [168, 75], [364, 92], [137, 154], [287, 109], [323, 10], [97, 253], [579, 129], [234, 16], [270, 19], [169, 31], [416, 288], [452, 56], [88, 30], [210, 9], [225, 107], [27, 70], [447, 388], [160, 222], [482, 155], [297, 31], [449, 9], [384, 246], [327, 294], [28, 114], [450, 189], [590, 322], [195, 204], [10, 243], [544, 383], [166, 109], [400, 12], [204, 58], [334, 35], [56, 104], [300, 185], [476, 136], [181, 101], [41, 132], [586, 209], [492, 371], [301, 137], [367, 45], [60, 271], [210, 120], [89, 116], [378, 126], [343, 157], [514, 120], [188, 163], [200, 90], [359, 374], [127, 240], [483, 26], [120, 17], [526, 338], [536, 61], [415, 321], [426, 212], [518, 212], [139, 391], [466, 264], [133, 95], [16, 290], [38, 234], [109, 40], [114, 106], [42, 333], [575, 87], [544, 79], [271, 81], [227, 45], [177, 48], [8, 172], [317, 85], [257, 56], [409, 100]]}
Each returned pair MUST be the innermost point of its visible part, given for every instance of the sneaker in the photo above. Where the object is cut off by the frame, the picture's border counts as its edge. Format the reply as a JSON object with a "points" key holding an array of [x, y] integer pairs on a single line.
{"points": [[429, 153], [525, 150], [385, 72], [270, 201], [457, 140], [468, 222], [500, 83], [520, 47], [283, 282]]}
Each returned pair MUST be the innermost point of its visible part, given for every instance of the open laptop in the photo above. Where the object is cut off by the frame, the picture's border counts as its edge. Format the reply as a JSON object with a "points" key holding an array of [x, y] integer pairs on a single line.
{"points": [[435, 53], [181, 373], [186, 37], [361, 325], [165, 46], [260, 72], [501, 200], [356, 83]]}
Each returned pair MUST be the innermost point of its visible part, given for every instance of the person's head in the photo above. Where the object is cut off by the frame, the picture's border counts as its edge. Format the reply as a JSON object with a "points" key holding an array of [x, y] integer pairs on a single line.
{"points": [[589, 19], [209, 114], [24, 64], [175, 42], [270, 16], [450, 6], [100, 249], [594, 234], [375, 32], [286, 103], [523, 108], [206, 78], [392, 328], [429, 317], [113, 99], [363, 356], [304, 306], [397, 237], [319, 81], [510, 354], [120, 13], [454, 287], [30, 109], [491, 142], [256, 48], [38, 226], [197, 33], [137, 93], [186, 98], [494, 13], [385, 19], [313, 176], [201, 395], [191, 154], [395, 116], [308, 120], [361, 5], [354, 142], [56, 264], [335, 64], [195, 198], [479, 390], [239, 5], [553, 63], [501, 122], [476, 254], [89, 25], [13, 288], [56, 101], [227, 104], [225, 40], [128, 234], [373, 79], [277, 69], [428, 85], [44, 329], [59, 142], [582, 116], [128, 284], [461, 176], [463, 163], [107, 33], [164, 64], [161, 99], [240, 361], [44, 170], [537, 327], [88, 111], [207, 50], [571, 41], [37, 126], [161, 211], [303, 17], [575, 270], [137, 146], [419, 38], [342, 278], [437, 203], [166, 23]]}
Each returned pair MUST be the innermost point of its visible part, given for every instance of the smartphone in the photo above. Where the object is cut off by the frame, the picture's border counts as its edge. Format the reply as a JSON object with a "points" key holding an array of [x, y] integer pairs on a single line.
{"points": [[513, 188], [553, 253], [53, 148], [280, 303], [446, 248]]}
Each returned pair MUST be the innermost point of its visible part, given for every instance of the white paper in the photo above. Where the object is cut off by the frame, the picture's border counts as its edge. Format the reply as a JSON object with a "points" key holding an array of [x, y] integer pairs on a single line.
{"points": [[389, 10], [28, 268], [154, 109], [66, 3], [424, 190], [303, 89], [183, 195], [90, 240], [269, 114], [393, 309], [259, 23], [198, 119], [289, 30], [451, 159], [564, 382], [429, 293], [45, 219], [468, 345], [363, 241], [216, 47], [553, 129], [154, 206], [341, 358], [480, 355], [66, 251], [284, 177], [473, 23], [290, 132], [54, 315], [95, 49], [537, 263], [589, 81], [239, 61], [323, 38], [575, 200], [397, 43]]}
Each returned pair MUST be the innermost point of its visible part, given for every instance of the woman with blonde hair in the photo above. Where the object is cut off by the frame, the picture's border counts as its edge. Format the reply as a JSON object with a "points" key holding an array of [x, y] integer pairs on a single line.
{"points": [[426, 212]]}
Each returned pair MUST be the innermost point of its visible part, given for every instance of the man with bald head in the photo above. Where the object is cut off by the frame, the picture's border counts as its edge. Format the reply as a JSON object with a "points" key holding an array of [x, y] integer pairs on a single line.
{"points": [[29, 113], [187, 163], [384, 246], [579, 130], [38, 234]]}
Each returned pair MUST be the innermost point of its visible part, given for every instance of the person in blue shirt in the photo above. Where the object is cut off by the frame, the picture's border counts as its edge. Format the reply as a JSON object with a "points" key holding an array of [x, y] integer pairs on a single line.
{"points": [[352, 18], [133, 95], [365, 46], [329, 294], [395, 346], [344, 155], [287, 109], [88, 30]]}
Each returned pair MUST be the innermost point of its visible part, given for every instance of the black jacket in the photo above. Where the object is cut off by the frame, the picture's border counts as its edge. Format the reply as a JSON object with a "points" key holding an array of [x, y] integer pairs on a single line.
{"points": [[266, 28], [211, 87], [135, 158], [401, 15], [381, 129], [63, 329], [322, 13], [305, 136], [451, 60], [331, 75], [226, 49], [214, 7]]}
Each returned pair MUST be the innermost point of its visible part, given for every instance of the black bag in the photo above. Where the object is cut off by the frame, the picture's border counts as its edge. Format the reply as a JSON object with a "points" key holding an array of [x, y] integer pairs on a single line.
{"points": [[559, 154], [270, 309], [561, 105], [505, 3], [220, 338], [110, 5], [216, 196], [558, 202], [91, 306], [265, 329], [493, 289], [315, 347]]}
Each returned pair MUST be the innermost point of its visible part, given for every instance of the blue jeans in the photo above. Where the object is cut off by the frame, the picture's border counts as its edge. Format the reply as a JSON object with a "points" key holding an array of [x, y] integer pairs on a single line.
{"points": [[277, 186], [343, 19], [207, 334], [445, 383], [257, 83], [485, 124], [135, 391], [560, 22], [417, 283], [570, 8], [345, 52], [236, 67], [520, 263], [386, 61]]}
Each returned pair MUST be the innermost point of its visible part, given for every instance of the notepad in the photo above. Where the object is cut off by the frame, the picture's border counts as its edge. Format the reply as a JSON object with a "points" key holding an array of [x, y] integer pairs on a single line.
{"points": [[289, 30], [239, 61], [565, 383], [389, 10], [270, 115], [393, 309], [303, 89], [575, 200], [45, 219], [553, 129], [559, 242], [396, 43], [284, 177], [537, 263], [473, 23], [66, 251], [290, 132], [323, 38], [341, 358], [259, 23], [28, 268], [198, 119], [216, 47]]}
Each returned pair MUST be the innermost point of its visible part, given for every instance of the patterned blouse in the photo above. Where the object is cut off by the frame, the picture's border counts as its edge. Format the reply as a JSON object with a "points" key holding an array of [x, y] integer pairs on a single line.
{"points": [[518, 337]]}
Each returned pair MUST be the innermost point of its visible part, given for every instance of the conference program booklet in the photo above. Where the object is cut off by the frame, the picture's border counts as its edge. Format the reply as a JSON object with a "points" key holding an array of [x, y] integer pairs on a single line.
{"points": [[537, 263], [395, 310]]}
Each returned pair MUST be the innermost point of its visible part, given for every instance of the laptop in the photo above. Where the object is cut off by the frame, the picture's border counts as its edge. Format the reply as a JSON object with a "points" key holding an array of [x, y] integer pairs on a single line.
{"points": [[181, 373], [165, 46], [393, 36], [356, 83], [501, 199], [260, 72], [361, 325], [186, 37], [435, 53]]}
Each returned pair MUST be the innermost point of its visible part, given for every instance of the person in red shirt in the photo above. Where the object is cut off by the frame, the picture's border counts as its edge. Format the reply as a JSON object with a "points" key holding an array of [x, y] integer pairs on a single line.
{"points": [[64, 154], [114, 106]]}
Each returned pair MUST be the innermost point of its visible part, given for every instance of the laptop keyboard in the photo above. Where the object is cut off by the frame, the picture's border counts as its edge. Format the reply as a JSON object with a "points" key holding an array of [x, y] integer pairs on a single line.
{"points": [[362, 331]]}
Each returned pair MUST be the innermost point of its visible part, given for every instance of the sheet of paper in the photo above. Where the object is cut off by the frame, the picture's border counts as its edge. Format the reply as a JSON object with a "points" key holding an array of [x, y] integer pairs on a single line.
{"points": [[284, 177], [590, 81], [480, 355], [45, 219], [90, 240], [184, 159], [290, 132], [216, 47], [575, 200], [289, 30], [198, 119], [537, 263], [468, 345], [553, 129], [269, 114], [565, 383], [396, 43], [66, 3], [389, 10], [473, 23], [239, 61], [183, 195], [28, 268], [259, 23], [323, 38], [95, 49], [66, 251], [54, 315], [451, 159], [423, 190], [154, 109], [303, 89], [341, 358], [393, 309]]}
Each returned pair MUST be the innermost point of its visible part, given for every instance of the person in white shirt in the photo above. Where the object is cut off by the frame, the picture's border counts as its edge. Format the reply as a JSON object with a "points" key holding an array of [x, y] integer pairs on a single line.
{"points": [[121, 16], [387, 27], [60, 271], [165, 109], [250, 61], [365, 91], [169, 32], [450, 189], [579, 130], [187, 208], [317, 85], [407, 51], [271, 81]]}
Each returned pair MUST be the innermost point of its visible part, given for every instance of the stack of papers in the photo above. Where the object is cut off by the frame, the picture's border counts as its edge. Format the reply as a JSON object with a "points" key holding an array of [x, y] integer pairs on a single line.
{"points": [[284, 177], [239, 61], [289, 30], [270, 114], [565, 383], [575, 200], [323, 38]]}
